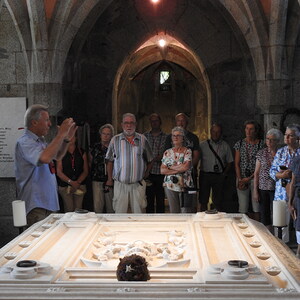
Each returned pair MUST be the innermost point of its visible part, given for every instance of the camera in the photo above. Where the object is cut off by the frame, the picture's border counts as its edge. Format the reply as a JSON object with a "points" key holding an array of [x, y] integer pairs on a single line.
{"points": [[174, 179], [216, 168], [284, 182], [283, 168], [105, 188]]}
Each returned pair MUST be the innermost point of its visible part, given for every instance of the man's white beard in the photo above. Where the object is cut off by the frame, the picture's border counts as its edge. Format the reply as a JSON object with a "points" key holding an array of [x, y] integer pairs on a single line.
{"points": [[129, 132]]}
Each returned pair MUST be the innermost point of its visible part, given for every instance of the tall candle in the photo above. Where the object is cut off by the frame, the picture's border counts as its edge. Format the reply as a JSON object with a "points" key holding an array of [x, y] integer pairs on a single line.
{"points": [[279, 213], [19, 213]]}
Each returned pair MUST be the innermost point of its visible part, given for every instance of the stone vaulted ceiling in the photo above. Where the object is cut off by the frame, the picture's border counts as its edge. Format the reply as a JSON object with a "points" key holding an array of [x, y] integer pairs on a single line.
{"points": [[50, 30]]}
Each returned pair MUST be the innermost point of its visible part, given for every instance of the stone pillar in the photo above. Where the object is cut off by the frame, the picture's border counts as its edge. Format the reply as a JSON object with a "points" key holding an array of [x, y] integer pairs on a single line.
{"points": [[49, 94], [272, 100], [273, 94], [271, 121]]}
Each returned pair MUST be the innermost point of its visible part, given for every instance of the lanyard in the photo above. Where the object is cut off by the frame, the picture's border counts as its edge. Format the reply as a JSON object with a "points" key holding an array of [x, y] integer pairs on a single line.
{"points": [[73, 161], [130, 140]]}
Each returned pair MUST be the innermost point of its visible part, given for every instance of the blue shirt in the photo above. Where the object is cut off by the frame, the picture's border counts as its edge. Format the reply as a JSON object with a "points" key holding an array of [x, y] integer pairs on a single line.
{"points": [[36, 185], [282, 158]]}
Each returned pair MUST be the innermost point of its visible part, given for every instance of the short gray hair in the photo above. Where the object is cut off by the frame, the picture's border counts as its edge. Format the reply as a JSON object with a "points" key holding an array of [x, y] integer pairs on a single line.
{"points": [[128, 115], [295, 128], [180, 129], [109, 126], [275, 132], [33, 112], [183, 115]]}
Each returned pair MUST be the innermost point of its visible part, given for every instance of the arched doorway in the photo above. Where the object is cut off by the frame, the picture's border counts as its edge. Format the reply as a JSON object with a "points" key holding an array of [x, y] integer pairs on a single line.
{"points": [[138, 87]]}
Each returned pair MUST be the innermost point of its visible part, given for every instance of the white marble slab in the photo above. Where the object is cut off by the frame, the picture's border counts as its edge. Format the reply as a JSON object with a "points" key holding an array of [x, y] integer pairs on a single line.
{"points": [[186, 253]]}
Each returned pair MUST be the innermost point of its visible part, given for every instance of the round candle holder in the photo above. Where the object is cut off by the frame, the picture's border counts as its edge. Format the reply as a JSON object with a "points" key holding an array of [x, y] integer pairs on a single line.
{"points": [[255, 244], [248, 234], [263, 255], [10, 255], [242, 225], [273, 270]]}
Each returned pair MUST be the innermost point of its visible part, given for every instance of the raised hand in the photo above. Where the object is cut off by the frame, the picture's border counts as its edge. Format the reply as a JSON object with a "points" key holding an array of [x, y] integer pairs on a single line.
{"points": [[68, 128]]}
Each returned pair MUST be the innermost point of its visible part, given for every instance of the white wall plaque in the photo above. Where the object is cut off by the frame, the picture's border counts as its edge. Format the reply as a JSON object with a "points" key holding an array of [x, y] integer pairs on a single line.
{"points": [[12, 112]]}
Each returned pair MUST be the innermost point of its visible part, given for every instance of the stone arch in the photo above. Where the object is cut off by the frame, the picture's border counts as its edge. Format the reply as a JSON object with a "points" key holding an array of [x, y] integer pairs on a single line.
{"points": [[55, 30], [50, 35], [148, 54], [46, 30], [250, 20]]}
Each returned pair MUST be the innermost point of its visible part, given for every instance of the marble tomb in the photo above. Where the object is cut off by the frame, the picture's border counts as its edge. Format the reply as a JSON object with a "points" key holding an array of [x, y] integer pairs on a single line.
{"points": [[197, 256]]}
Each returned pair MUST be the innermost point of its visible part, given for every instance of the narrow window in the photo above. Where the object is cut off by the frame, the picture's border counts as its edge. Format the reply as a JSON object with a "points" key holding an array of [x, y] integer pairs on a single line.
{"points": [[164, 76], [164, 81]]}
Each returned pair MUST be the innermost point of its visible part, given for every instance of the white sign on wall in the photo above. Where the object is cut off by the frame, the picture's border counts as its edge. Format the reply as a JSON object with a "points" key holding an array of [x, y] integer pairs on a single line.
{"points": [[12, 112]]}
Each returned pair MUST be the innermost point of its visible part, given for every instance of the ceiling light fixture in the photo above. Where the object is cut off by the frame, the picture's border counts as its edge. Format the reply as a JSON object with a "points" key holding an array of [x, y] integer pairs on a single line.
{"points": [[155, 1], [162, 43]]}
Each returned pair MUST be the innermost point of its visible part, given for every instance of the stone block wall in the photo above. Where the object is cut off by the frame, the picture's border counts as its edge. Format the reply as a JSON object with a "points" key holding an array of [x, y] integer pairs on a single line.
{"points": [[12, 84], [7, 195]]}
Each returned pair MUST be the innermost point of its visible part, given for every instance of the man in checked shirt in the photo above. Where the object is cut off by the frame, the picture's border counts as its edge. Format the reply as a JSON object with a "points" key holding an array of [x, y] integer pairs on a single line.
{"points": [[155, 191]]}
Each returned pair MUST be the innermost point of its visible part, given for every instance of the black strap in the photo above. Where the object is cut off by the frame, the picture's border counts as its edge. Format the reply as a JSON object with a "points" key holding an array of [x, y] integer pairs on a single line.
{"points": [[216, 155]]}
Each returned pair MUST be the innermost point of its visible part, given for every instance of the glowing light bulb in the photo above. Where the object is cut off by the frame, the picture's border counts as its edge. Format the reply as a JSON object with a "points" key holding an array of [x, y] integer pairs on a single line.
{"points": [[155, 1], [162, 43]]}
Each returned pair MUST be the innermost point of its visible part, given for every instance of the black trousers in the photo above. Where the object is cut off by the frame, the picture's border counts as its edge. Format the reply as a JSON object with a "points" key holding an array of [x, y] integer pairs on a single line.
{"points": [[265, 206], [208, 182], [155, 193]]}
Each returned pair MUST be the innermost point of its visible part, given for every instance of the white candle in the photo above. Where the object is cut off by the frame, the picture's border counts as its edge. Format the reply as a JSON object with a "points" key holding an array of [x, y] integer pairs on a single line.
{"points": [[19, 213], [279, 213]]}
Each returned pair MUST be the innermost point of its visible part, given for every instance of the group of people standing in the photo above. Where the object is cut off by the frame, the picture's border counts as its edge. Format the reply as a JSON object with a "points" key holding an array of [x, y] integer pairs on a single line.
{"points": [[133, 171], [267, 171]]}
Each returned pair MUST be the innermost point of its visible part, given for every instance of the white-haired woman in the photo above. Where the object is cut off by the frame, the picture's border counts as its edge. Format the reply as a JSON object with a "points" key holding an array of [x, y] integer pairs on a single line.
{"points": [[102, 193], [177, 168], [280, 169], [264, 185]]}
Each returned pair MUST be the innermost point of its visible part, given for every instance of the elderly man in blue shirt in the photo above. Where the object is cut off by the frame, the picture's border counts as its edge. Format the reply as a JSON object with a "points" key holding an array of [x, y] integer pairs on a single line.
{"points": [[34, 166]]}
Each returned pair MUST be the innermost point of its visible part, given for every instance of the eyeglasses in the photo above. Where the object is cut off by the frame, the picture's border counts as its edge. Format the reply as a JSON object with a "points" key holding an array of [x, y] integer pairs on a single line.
{"points": [[176, 135], [271, 140]]}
